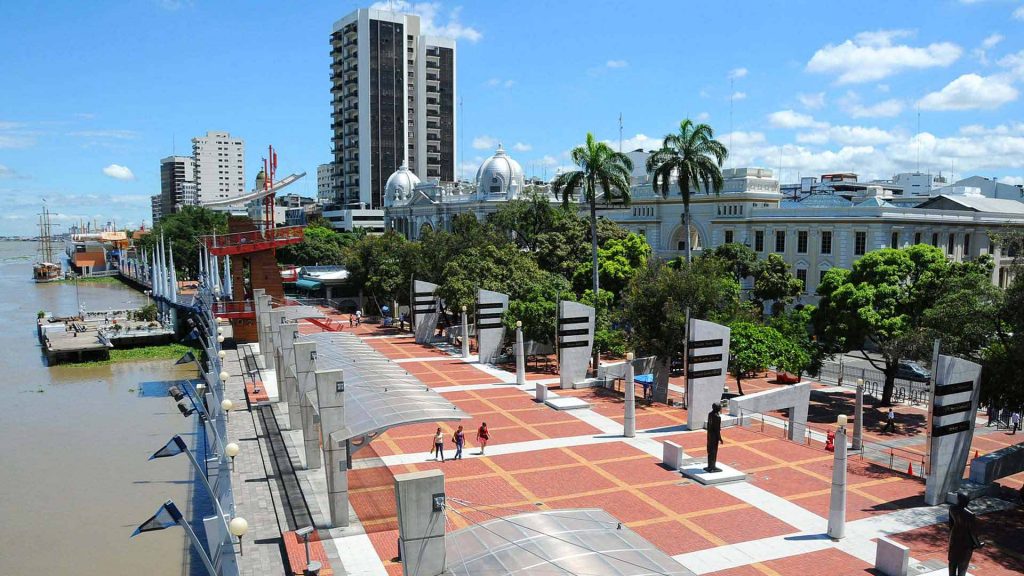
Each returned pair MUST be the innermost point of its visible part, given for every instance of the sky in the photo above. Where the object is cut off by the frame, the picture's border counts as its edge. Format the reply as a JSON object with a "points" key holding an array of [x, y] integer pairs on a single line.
{"points": [[93, 94]]}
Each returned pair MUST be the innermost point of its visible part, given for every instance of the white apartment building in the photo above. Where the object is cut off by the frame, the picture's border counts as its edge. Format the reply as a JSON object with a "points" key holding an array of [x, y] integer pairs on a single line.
{"points": [[219, 166], [326, 181], [393, 97]]}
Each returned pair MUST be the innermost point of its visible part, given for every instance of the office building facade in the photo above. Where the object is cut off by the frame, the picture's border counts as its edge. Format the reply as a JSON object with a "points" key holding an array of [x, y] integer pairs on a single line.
{"points": [[219, 166]]}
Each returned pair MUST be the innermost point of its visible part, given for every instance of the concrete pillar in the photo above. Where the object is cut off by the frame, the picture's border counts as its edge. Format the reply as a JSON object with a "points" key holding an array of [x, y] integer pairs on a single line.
{"points": [[520, 355], [629, 423], [330, 390], [419, 498], [305, 366], [837, 501], [284, 359], [858, 419], [276, 317], [311, 433], [465, 334], [541, 391]]}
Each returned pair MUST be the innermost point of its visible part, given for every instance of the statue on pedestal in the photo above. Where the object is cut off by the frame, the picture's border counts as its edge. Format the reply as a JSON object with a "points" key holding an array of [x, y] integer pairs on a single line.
{"points": [[963, 537], [714, 427]]}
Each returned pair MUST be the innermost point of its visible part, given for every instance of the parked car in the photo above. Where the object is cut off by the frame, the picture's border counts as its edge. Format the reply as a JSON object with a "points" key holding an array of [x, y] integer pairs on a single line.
{"points": [[909, 370]]}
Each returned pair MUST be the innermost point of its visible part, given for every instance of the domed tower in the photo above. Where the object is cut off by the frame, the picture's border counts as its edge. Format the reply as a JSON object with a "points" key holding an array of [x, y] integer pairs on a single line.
{"points": [[499, 177], [399, 187]]}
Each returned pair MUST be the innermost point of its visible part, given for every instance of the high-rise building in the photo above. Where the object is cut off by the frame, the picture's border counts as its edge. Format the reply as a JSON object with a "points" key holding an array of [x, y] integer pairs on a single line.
{"points": [[326, 183], [393, 97], [219, 166], [177, 185]]}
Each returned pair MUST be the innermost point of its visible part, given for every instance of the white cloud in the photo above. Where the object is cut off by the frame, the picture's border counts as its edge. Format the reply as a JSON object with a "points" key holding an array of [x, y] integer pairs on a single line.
{"points": [[485, 143], [1012, 180], [6, 172], [637, 142], [852, 105], [433, 21], [114, 134], [616, 64], [970, 92], [991, 41], [812, 101], [1018, 14], [12, 140], [498, 82], [173, 5], [521, 147], [1014, 62], [739, 95], [737, 73], [790, 119], [883, 88], [871, 56], [703, 116], [118, 172]]}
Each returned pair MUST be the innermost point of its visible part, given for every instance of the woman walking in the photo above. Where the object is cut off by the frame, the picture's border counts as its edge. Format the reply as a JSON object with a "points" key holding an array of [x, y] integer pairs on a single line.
{"points": [[459, 438], [439, 446], [482, 436]]}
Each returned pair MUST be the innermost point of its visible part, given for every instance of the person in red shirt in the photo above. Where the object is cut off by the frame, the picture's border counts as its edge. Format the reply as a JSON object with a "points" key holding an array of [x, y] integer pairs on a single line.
{"points": [[482, 436]]}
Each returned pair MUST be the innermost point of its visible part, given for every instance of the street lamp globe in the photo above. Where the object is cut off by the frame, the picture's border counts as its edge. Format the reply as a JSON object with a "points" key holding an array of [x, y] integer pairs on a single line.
{"points": [[224, 376], [519, 323], [220, 338], [220, 330], [221, 354], [238, 526], [231, 450], [860, 381], [226, 405]]}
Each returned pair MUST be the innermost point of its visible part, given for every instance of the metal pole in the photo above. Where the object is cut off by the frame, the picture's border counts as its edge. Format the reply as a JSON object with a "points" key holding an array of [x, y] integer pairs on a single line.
{"points": [[629, 422], [206, 482], [837, 499], [171, 509]]}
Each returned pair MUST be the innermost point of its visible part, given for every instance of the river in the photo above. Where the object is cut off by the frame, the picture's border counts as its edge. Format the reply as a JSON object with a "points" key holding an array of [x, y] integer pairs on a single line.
{"points": [[74, 479]]}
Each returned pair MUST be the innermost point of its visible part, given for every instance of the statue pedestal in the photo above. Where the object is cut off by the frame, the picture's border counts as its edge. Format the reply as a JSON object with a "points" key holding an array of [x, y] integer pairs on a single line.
{"points": [[694, 470], [562, 403]]}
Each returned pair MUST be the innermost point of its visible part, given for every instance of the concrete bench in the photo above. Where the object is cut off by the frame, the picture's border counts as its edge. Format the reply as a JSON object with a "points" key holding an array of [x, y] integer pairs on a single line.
{"points": [[999, 464], [892, 558], [671, 455]]}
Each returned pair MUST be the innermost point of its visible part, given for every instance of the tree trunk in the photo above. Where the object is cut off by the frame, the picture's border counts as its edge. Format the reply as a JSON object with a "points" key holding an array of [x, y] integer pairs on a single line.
{"points": [[739, 385], [686, 231], [889, 387], [597, 301]]}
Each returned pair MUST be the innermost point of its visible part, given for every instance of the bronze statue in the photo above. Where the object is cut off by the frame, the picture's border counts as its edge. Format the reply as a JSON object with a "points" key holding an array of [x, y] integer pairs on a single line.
{"points": [[963, 539], [714, 426]]}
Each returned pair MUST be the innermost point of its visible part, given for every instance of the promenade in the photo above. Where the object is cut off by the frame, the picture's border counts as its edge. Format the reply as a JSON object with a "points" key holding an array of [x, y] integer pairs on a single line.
{"points": [[542, 459]]}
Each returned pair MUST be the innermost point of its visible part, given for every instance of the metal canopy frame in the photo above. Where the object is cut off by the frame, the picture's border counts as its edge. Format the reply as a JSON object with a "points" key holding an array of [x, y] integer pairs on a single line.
{"points": [[379, 393], [293, 313], [573, 541]]}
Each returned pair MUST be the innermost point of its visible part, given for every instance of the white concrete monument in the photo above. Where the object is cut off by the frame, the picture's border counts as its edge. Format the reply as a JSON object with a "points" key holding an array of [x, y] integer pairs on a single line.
{"points": [[490, 331], [575, 342], [950, 426], [707, 367], [425, 310]]}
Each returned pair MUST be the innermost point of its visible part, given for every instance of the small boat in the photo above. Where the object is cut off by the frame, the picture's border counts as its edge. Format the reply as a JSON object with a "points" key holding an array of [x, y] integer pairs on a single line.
{"points": [[46, 270]]}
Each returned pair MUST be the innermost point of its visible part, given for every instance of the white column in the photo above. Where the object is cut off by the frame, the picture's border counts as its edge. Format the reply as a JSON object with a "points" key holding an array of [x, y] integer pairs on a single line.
{"points": [[858, 417], [629, 422], [465, 334], [520, 355], [420, 500], [837, 501]]}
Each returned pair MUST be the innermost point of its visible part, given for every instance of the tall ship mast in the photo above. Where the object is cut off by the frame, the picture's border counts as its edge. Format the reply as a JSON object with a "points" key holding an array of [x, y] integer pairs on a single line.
{"points": [[46, 269]]}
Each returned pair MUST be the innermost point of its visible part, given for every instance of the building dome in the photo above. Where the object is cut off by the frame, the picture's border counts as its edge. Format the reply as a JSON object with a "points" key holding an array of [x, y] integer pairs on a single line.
{"points": [[499, 177], [399, 187]]}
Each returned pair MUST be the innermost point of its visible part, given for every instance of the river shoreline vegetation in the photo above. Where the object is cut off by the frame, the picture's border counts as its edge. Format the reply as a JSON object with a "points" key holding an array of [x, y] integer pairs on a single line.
{"points": [[171, 351]]}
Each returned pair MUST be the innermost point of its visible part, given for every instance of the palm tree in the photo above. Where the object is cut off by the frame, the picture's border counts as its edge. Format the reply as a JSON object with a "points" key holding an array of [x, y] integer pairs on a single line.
{"points": [[695, 158], [600, 168]]}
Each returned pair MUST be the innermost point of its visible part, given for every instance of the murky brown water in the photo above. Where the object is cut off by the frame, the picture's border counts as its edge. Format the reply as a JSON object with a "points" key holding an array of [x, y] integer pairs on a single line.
{"points": [[74, 480]]}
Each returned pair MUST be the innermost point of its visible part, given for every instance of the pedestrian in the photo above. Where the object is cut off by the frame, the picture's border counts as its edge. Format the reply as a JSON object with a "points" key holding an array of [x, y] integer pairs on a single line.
{"points": [[890, 421], [401, 322], [991, 411], [439, 445], [459, 438], [359, 317], [351, 320], [482, 436], [1014, 421]]}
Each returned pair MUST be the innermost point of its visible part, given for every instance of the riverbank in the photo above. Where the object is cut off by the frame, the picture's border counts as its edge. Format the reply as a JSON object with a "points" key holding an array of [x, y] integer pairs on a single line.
{"points": [[171, 351]]}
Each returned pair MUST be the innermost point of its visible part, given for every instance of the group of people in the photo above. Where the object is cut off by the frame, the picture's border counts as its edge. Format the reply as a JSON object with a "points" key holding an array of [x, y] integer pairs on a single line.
{"points": [[459, 439], [1010, 418]]}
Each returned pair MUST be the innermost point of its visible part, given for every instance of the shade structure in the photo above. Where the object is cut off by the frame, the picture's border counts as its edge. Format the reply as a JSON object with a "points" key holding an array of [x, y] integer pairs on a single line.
{"points": [[379, 394], [308, 284], [293, 313], [572, 541]]}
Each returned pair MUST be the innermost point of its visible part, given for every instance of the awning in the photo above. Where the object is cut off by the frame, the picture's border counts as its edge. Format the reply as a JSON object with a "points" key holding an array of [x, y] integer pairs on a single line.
{"points": [[308, 284]]}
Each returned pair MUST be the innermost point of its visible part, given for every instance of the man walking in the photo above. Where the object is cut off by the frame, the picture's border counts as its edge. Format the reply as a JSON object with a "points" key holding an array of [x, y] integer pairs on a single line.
{"points": [[890, 421], [1014, 421]]}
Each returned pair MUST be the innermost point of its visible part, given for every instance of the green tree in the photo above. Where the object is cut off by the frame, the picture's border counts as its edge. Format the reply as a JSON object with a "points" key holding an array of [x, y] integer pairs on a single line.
{"points": [[773, 282], [319, 246], [797, 325], [601, 170], [537, 306], [740, 258], [382, 266], [886, 300], [618, 261], [655, 303], [182, 231], [695, 159], [756, 347]]}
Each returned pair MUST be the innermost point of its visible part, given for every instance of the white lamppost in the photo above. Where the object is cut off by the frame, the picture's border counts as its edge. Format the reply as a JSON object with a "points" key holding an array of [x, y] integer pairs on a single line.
{"points": [[232, 450], [238, 527], [226, 405]]}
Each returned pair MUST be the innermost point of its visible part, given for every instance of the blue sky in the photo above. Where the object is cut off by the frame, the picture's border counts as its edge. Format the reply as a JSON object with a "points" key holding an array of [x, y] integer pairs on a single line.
{"points": [[95, 93]]}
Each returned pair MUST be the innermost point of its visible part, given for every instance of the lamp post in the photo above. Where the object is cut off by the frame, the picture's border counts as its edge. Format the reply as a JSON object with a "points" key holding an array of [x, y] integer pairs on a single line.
{"points": [[465, 334], [231, 450], [226, 405], [312, 566], [837, 499], [238, 527], [858, 416], [629, 422]]}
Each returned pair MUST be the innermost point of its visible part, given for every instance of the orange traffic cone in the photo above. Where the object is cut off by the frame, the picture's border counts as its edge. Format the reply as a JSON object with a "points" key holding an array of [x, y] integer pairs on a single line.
{"points": [[910, 469], [975, 453]]}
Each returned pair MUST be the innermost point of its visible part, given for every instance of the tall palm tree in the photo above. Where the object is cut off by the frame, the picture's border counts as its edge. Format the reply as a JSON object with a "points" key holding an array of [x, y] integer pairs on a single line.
{"points": [[695, 158], [600, 168]]}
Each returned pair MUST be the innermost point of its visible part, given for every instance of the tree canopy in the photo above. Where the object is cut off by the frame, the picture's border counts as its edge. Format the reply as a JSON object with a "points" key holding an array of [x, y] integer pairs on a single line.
{"points": [[182, 231], [756, 347]]}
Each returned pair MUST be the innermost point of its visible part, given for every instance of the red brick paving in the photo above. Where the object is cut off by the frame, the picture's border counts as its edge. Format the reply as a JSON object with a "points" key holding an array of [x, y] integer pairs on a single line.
{"points": [[295, 550]]}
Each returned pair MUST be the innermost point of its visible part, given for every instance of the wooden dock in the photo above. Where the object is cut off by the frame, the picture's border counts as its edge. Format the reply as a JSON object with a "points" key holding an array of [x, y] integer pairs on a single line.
{"points": [[75, 340]]}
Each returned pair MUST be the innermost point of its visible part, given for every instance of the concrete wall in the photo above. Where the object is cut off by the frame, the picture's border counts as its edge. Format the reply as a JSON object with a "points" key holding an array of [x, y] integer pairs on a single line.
{"points": [[954, 404], [421, 524], [707, 368], [424, 310], [795, 398], [330, 390], [999, 464], [575, 342], [490, 331]]}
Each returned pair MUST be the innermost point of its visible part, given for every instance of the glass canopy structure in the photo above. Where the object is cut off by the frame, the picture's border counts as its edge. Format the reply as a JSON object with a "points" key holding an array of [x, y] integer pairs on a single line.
{"points": [[379, 393], [293, 313], [572, 541]]}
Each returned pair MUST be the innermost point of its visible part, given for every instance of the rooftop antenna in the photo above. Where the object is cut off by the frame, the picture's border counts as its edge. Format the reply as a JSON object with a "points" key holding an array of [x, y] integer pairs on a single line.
{"points": [[620, 132], [918, 138], [462, 139], [732, 93]]}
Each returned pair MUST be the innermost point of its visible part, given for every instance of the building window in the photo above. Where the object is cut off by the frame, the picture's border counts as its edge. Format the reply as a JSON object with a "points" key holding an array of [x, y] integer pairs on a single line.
{"points": [[759, 240], [860, 241], [917, 237], [826, 242], [894, 240], [821, 276], [949, 244], [728, 236], [801, 275], [780, 241], [935, 239], [801, 242], [967, 245]]}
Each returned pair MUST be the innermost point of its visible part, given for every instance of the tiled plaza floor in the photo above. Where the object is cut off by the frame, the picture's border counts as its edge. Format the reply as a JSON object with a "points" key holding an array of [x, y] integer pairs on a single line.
{"points": [[529, 466]]}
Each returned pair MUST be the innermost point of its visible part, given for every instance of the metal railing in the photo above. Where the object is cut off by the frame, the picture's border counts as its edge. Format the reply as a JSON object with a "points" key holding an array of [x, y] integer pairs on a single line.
{"points": [[254, 237], [907, 391]]}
